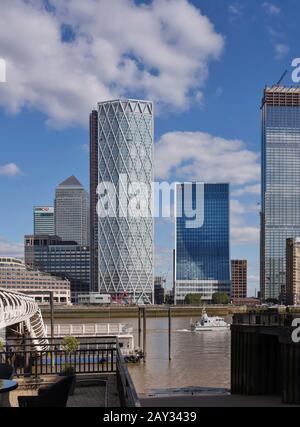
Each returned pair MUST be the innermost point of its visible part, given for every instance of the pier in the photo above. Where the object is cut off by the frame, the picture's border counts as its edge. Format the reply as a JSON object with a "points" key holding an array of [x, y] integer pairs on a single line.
{"points": [[265, 361]]}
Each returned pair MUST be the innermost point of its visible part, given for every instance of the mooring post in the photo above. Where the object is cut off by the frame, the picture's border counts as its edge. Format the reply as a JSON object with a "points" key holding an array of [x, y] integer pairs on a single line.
{"points": [[170, 333], [139, 326], [145, 333], [52, 315]]}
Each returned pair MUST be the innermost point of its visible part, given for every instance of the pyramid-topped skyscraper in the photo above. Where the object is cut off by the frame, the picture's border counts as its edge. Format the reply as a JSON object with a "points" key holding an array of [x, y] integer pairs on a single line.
{"points": [[72, 211]]}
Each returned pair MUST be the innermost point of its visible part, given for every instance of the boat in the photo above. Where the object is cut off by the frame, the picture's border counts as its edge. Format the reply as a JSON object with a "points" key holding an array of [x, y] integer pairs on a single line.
{"points": [[207, 323]]}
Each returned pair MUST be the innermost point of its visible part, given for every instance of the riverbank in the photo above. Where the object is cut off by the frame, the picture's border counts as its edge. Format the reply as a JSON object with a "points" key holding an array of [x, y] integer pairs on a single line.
{"points": [[88, 312]]}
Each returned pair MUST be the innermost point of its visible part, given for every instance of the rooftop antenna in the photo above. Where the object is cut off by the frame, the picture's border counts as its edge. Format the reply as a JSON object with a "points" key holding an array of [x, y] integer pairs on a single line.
{"points": [[282, 77]]}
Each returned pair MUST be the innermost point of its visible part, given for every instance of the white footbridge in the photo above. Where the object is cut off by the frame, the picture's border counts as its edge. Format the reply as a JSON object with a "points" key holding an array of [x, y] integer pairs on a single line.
{"points": [[18, 308]]}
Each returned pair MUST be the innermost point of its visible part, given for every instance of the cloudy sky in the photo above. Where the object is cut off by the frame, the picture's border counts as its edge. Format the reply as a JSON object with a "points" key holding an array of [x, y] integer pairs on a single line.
{"points": [[204, 63]]}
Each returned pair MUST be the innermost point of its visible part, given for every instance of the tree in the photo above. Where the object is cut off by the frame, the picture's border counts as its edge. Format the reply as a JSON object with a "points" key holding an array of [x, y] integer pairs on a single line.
{"points": [[193, 299], [272, 301], [220, 298]]}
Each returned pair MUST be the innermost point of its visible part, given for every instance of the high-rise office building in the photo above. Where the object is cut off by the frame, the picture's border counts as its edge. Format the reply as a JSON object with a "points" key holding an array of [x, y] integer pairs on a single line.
{"points": [[202, 246], [63, 259], [239, 278], [125, 240], [280, 217], [72, 212], [293, 271], [43, 220], [94, 199]]}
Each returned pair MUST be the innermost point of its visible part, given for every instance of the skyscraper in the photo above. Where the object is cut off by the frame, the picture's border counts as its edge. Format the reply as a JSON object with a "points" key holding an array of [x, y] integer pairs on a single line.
{"points": [[94, 199], [202, 249], [43, 220], [72, 212], [280, 217], [125, 241]]}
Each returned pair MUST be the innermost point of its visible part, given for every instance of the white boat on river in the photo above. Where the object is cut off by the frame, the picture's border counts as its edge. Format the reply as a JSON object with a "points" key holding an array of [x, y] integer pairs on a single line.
{"points": [[207, 323]]}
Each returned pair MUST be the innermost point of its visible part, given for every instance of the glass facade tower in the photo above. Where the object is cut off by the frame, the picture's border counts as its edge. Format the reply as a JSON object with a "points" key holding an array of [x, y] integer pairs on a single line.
{"points": [[280, 218], [125, 241], [202, 253]]}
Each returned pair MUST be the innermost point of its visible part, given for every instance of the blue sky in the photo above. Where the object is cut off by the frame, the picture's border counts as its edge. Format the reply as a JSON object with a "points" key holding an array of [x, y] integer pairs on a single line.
{"points": [[205, 67]]}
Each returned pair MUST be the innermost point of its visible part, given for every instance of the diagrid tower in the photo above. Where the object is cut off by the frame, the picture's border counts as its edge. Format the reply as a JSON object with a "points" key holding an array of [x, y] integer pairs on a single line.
{"points": [[125, 158]]}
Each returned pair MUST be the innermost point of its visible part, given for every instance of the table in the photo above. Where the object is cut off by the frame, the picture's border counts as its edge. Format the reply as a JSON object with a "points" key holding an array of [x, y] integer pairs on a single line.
{"points": [[7, 385]]}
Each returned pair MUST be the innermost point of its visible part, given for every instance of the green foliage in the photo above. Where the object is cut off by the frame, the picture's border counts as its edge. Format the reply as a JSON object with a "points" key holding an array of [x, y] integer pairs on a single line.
{"points": [[220, 298], [68, 370], [193, 299], [169, 300], [70, 344], [272, 301], [1, 344]]}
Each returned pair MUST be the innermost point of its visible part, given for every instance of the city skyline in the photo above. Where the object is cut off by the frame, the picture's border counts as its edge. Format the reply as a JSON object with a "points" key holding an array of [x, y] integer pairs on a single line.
{"points": [[197, 118]]}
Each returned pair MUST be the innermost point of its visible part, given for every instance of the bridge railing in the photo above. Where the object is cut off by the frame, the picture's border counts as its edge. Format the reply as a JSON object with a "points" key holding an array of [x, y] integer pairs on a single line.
{"points": [[15, 308]]}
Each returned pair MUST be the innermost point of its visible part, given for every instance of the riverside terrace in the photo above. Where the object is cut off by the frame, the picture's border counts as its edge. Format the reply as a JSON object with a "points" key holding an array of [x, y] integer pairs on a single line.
{"points": [[37, 360], [102, 377]]}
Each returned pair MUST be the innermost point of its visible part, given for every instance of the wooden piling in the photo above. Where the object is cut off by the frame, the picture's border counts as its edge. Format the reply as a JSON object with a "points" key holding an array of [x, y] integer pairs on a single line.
{"points": [[139, 326], [170, 332], [145, 333]]}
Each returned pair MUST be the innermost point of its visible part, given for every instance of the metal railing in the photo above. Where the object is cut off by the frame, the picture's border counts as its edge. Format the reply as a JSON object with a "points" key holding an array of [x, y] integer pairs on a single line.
{"points": [[271, 319], [127, 393], [93, 356]]}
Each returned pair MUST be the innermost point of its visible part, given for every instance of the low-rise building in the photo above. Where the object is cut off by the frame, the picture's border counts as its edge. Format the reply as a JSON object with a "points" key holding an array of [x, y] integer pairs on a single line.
{"points": [[94, 299], [16, 276]]}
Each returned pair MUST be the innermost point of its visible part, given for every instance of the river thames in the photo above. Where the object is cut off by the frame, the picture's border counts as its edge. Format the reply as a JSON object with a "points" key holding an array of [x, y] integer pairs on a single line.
{"points": [[198, 359]]}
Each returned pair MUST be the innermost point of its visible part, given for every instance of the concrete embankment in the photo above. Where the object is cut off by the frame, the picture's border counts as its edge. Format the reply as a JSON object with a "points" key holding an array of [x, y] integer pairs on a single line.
{"points": [[87, 312]]}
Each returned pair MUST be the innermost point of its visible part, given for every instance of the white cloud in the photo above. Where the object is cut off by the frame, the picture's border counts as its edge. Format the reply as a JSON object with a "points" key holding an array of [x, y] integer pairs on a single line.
{"points": [[254, 189], [254, 279], [11, 169], [11, 249], [235, 11], [271, 9], [244, 235], [160, 51], [219, 91], [281, 50], [241, 232], [203, 157]]}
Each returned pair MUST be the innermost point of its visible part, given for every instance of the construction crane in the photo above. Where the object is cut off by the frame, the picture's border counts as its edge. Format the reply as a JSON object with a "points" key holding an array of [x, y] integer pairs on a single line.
{"points": [[278, 84], [282, 77]]}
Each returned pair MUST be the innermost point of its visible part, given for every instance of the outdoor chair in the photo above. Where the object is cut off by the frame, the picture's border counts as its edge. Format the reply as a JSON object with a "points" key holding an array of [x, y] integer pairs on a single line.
{"points": [[55, 396], [6, 372]]}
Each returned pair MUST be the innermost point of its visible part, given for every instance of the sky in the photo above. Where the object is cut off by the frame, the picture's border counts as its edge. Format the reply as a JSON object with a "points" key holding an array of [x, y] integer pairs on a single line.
{"points": [[204, 63]]}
